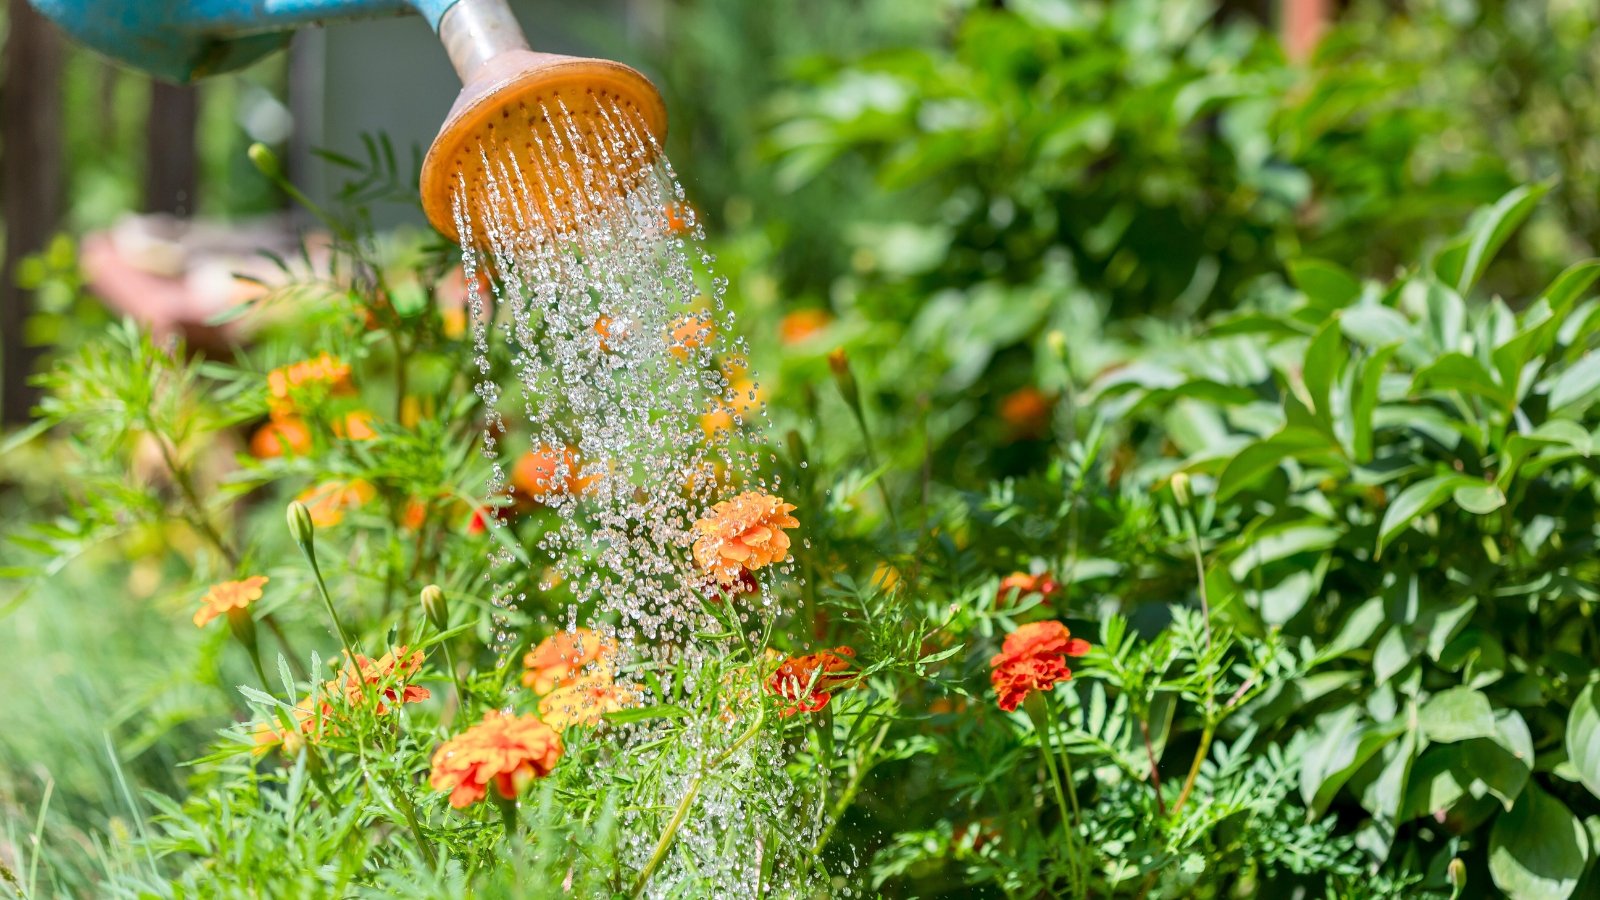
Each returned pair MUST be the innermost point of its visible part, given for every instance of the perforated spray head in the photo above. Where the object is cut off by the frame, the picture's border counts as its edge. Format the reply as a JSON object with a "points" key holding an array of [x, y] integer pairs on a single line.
{"points": [[527, 106]]}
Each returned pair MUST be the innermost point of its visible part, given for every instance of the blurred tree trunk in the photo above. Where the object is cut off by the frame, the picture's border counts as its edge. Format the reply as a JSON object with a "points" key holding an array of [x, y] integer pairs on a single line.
{"points": [[30, 185], [170, 161]]}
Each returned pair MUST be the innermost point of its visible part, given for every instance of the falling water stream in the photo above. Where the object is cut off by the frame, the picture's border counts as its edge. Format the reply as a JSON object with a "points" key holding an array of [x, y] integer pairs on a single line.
{"points": [[628, 378]]}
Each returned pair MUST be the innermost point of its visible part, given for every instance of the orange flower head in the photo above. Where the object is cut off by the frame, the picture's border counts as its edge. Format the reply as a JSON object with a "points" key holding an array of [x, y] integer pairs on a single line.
{"points": [[745, 396], [1026, 412], [324, 372], [388, 677], [690, 333], [506, 751], [545, 473], [809, 681], [1033, 658], [287, 435], [745, 533], [229, 595], [1044, 584], [584, 701], [306, 721], [356, 426], [562, 658], [329, 501], [803, 324], [716, 422]]}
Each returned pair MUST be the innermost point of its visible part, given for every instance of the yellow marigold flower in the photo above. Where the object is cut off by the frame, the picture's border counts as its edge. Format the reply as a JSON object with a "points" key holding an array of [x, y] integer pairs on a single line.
{"points": [[745, 533], [356, 426], [562, 658], [584, 701], [503, 750], [228, 595], [389, 675], [329, 501]]}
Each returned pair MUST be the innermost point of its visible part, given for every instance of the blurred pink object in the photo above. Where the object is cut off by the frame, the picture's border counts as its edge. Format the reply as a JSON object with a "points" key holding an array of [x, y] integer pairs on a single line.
{"points": [[176, 276]]}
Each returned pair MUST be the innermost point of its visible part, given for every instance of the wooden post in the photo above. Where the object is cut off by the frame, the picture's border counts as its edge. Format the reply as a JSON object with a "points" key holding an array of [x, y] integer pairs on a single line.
{"points": [[30, 185], [170, 160]]}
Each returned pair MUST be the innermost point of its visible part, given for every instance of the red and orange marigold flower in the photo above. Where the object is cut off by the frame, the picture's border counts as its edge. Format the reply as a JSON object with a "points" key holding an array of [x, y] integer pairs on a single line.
{"points": [[328, 502], [222, 598], [566, 656], [809, 681], [1044, 584], [325, 370], [506, 751], [388, 677], [743, 534], [1033, 658]]}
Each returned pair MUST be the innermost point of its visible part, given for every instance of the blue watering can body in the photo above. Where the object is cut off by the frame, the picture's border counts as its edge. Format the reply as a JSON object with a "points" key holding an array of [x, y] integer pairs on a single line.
{"points": [[181, 40]]}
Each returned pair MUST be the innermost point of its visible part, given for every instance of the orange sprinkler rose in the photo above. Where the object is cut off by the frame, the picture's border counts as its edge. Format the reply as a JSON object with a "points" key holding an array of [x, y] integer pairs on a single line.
{"points": [[506, 751], [279, 437], [228, 595], [809, 681], [562, 658], [803, 324], [745, 533], [584, 701], [1044, 584], [1033, 658], [1026, 412]]}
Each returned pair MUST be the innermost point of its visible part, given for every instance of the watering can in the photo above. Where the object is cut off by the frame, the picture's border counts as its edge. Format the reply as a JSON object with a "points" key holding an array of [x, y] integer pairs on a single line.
{"points": [[507, 88]]}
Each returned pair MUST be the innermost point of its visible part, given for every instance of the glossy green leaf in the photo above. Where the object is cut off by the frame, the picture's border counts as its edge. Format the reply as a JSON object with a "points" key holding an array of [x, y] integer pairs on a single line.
{"points": [[1417, 500], [1538, 850], [1479, 499], [1265, 455], [1571, 284], [1583, 738], [1495, 227], [1325, 284], [1457, 714], [1578, 385], [1341, 745]]}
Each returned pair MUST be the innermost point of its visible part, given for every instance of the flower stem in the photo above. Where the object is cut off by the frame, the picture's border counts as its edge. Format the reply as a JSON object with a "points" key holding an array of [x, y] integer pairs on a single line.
{"points": [[863, 766], [308, 548], [664, 844]]}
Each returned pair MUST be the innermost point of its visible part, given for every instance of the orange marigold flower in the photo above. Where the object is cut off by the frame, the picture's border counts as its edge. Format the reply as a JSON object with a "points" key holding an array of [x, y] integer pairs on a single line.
{"points": [[280, 436], [228, 595], [1044, 584], [329, 501], [716, 421], [745, 396], [562, 658], [809, 681], [503, 750], [1033, 658], [802, 324], [1026, 411], [325, 370], [389, 676], [356, 426], [745, 533], [306, 720], [690, 333], [584, 701], [547, 472]]}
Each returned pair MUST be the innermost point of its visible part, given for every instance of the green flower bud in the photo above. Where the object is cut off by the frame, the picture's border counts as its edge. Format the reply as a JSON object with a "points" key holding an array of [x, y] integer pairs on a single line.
{"points": [[265, 160], [1180, 488], [1456, 873], [300, 526], [435, 607]]}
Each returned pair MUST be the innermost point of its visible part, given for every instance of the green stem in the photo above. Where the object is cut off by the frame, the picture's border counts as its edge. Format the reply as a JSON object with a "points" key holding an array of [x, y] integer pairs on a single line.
{"points": [[1206, 734], [410, 811], [1061, 774], [309, 550], [664, 844], [863, 766], [1200, 572]]}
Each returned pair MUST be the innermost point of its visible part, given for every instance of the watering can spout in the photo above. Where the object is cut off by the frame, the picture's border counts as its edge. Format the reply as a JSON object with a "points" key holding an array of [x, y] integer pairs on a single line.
{"points": [[505, 84]]}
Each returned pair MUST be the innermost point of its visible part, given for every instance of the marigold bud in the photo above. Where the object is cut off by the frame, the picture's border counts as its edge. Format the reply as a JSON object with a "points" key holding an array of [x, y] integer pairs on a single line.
{"points": [[845, 378], [243, 626], [300, 527], [1057, 342], [435, 607], [265, 160], [1180, 487], [1456, 874]]}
